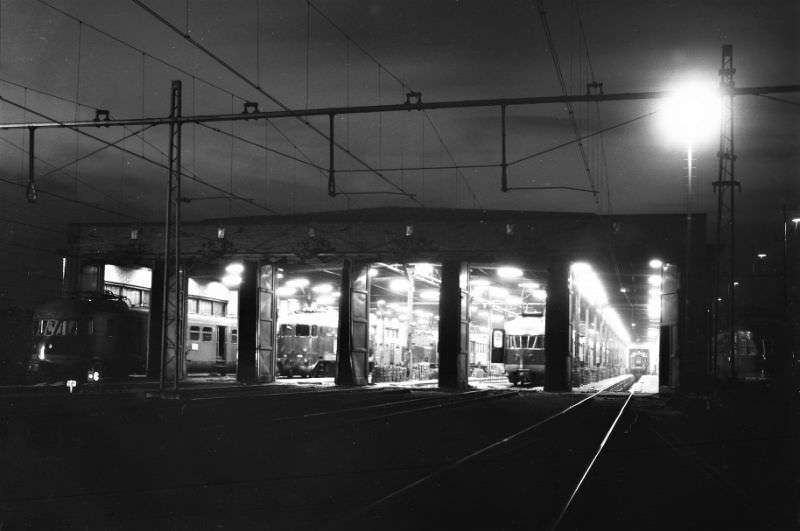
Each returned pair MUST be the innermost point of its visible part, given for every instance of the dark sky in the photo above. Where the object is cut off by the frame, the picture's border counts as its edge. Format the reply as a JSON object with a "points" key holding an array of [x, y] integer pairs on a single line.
{"points": [[314, 56]]}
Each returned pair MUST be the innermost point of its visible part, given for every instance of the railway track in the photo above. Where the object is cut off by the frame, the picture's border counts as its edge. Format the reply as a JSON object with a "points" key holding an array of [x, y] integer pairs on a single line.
{"points": [[524, 441]]}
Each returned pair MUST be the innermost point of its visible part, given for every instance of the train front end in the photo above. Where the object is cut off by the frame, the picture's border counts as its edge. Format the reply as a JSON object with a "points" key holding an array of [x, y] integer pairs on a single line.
{"points": [[60, 349]]}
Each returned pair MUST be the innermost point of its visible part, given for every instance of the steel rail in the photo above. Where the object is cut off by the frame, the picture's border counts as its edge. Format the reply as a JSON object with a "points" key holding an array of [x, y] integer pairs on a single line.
{"points": [[407, 106], [451, 466], [566, 507]]}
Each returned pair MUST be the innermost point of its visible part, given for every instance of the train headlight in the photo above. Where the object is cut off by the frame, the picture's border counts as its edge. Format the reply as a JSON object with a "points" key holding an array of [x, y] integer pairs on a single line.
{"points": [[41, 353], [93, 376]]}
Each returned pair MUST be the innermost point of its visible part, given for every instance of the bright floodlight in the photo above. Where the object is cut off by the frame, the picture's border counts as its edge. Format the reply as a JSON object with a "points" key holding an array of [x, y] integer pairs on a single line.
{"points": [[795, 220], [655, 263], [691, 113]]}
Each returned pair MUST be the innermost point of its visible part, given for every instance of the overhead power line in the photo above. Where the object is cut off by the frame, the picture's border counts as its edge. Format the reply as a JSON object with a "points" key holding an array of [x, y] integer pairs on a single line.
{"points": [[272, 98]]}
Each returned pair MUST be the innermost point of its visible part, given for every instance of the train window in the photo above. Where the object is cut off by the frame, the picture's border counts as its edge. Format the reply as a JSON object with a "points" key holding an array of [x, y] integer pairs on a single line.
{"points": [[234, 335], [219, 308], [314, 331], [286, 330], [145, 298], [134, 296], [191, 305], [194, 333], [302, 330], [204, 307], [207, 333]]}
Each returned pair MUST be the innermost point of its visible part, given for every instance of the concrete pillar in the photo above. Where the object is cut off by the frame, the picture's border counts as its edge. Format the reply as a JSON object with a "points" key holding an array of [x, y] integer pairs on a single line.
{"points": [[557, 358], [352, 361], [453, 326]]}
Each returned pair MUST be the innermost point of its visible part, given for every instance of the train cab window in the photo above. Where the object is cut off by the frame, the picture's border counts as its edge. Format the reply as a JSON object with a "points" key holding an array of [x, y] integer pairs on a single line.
{"points": [[314, 331], [302, 330], [207, 333], [194, 333], [286, 330], [234, 335], [204, 307]]}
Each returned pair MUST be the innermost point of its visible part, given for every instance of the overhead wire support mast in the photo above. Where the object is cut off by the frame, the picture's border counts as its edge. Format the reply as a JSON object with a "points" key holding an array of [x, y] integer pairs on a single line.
{"points": [[725, 186]]}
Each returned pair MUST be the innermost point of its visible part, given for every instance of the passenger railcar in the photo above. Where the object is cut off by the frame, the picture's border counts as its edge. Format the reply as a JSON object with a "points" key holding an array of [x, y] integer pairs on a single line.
{"points": [[211, 344], [639, 362], [307, 344], [524, 350]]}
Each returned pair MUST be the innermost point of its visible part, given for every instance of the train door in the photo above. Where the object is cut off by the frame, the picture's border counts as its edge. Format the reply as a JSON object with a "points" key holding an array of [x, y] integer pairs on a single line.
{"points": [[222, 334]]}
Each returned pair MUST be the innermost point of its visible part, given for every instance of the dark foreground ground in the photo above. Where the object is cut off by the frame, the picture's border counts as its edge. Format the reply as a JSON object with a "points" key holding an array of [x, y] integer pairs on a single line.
{"points": [[273, 459]]}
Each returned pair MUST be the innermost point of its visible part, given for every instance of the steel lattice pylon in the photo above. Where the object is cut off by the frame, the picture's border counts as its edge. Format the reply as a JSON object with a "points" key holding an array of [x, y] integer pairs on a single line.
{"points": [[725, 186], [174, 299]]}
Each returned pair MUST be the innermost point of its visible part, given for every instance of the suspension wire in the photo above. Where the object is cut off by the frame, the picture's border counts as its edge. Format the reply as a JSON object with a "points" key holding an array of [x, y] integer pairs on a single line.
{"points": [[154, 162], [44, 93], [157, 59], [91, 153], [76, 201], [308, 49], [584, 137], [570, 111], [258, 42], [77, 99], [269, 149], [62, 168], [269, 96], [788, 102], [230, 162], [405, 87], [602, 162]]}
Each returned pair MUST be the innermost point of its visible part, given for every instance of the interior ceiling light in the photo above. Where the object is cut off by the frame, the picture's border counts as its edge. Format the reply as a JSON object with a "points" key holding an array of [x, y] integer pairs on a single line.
{"points": [[298, 282], [322, 288], [509, 272], [231, 280], [285, 291], [429, 294], [234, 269], [399, 285]]}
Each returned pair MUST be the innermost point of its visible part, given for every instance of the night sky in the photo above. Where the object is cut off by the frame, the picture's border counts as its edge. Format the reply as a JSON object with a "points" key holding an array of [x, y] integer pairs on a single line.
{"points": [[64, 59]]}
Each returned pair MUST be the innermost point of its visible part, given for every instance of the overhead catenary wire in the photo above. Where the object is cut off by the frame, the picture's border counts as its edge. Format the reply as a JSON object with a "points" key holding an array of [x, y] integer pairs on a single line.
{"points": [[132, 153], [269, 96], [561, 82], [159, 60], [405, 86]]}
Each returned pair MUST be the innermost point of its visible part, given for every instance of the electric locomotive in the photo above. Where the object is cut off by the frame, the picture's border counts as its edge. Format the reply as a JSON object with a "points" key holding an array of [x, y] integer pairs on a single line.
{"points": [[89, 336], [639, 362], [524, 350], [307, 344]]}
